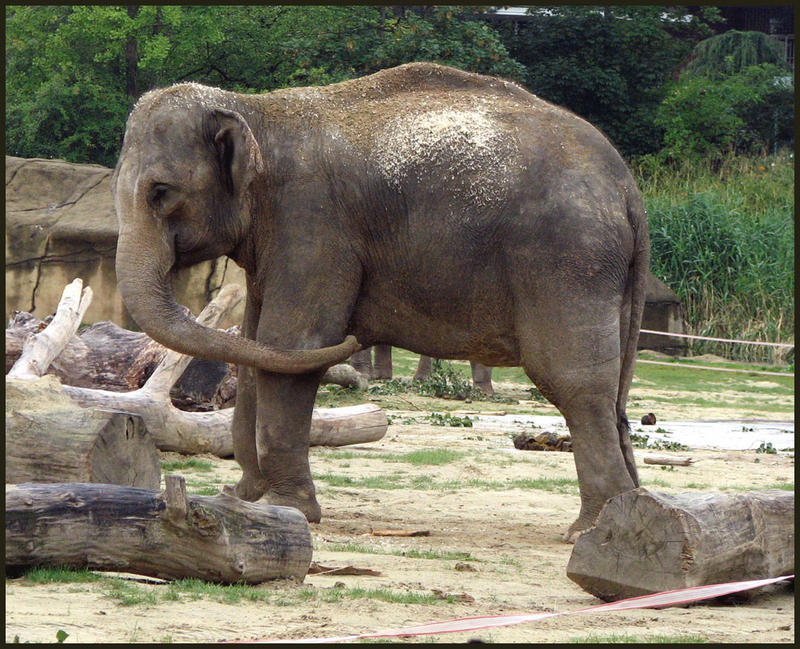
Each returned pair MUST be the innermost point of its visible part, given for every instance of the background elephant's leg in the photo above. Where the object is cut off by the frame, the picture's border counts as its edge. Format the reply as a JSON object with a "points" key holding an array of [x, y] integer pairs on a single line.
{"points": [[482, 377], [424, 368], [283, 423], [362, 362], [383, 362]]}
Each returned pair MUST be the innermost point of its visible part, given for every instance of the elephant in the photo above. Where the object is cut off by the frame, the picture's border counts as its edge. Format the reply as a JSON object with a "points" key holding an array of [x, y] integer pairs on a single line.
{"points": [[382, 367], [449, 213]]}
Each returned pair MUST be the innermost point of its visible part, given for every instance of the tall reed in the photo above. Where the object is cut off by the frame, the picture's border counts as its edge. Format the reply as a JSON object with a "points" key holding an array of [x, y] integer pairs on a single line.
{"points": [[723, 240]]}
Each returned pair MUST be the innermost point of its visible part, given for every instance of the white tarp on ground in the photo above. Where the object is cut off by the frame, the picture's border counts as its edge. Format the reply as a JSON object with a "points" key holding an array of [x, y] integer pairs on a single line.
{"points": [[728, 434]]}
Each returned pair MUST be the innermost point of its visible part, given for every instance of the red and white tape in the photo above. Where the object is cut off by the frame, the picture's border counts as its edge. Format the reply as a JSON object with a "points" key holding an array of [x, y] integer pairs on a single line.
{"points": [[668, 598]]}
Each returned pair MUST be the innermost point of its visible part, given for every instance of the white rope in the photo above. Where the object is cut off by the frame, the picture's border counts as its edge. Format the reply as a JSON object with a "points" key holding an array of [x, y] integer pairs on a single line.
{"points": [[721, 340], [718, 369]]}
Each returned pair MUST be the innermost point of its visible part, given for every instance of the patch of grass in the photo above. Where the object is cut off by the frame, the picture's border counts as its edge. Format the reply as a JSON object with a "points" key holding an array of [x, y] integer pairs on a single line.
{"points": [[445, 555], [368, 482], [203, 466], [129, 594], [638, 639], [431, 456], [786, 486], [382, 595], [555, 485], [61, 575], [414, 553], [226, 593], [209, 490], [359, 548]]}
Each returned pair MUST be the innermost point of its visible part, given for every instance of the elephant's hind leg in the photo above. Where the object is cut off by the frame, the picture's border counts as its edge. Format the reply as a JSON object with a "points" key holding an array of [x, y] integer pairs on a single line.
{"points": [[575, 363], [252, 485]]}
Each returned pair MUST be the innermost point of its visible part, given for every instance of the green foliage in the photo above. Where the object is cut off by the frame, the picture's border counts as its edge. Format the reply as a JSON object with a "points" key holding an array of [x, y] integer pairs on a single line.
{"points": [[766, 447], [609, 64], [431, 456], [74, 72], [203, 466], [724, 242], [445, 382], [733, 52], [749, 111], [449, 419], [643, 441], [614, 638]]}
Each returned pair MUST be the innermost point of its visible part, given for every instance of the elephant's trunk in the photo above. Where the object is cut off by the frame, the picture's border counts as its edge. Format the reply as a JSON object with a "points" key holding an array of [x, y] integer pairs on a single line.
{"points": [[145, 257]]}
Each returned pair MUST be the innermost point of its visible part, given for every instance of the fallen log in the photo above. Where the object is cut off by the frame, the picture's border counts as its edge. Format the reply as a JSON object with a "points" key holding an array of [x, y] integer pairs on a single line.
{"points": [[107, 357], [364, 422], [197, 432], [167, 535], [668, 460], [646, 542], [39, 350], [49, 438]]}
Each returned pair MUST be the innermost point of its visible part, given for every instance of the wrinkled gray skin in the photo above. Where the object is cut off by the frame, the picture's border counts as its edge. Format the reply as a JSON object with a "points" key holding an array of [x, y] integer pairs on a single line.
{"points": [[447, 213], [382, 367]]}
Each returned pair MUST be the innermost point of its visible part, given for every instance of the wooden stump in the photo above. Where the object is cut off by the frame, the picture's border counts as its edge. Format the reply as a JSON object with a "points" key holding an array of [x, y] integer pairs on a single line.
{"points": [[645, 542], [166, 535], [49, 438]]}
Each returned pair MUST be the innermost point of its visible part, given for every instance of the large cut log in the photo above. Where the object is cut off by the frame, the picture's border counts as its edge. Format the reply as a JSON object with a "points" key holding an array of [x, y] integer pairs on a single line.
{"points": [[168, 535], [49, 438], [646, 542]]}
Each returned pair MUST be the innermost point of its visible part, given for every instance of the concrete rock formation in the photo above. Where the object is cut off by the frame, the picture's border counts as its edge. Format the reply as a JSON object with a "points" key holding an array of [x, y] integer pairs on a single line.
{"points": [[60, 224]]}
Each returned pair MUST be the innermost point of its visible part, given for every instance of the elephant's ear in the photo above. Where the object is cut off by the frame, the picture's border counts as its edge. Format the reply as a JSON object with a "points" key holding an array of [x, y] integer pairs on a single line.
{"points": [[238, 152]]}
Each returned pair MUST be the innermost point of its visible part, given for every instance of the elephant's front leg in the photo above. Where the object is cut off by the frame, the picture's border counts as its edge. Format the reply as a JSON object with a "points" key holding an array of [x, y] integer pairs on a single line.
{"points": [[283, 422]]}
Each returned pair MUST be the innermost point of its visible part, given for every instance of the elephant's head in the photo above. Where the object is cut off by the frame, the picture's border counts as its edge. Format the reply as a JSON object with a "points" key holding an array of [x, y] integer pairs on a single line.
{"points": [[184, 191]]}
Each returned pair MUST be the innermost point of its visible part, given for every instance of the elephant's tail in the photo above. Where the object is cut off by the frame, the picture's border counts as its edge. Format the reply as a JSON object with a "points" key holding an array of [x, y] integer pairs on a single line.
{"points": [[633, 302]]}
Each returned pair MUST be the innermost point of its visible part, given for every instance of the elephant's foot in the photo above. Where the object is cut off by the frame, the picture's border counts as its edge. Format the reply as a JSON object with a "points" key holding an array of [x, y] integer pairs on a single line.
{"points": [[302, 499], [582, 523], [250, 489]]}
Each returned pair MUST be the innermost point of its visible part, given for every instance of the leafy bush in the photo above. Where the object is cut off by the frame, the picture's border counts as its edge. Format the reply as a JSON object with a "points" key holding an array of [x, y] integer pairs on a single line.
{"points": [[747, 112], [446, 383]]}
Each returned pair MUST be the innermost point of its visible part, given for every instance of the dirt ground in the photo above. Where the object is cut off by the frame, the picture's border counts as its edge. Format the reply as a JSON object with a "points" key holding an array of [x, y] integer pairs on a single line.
{"points": [[492, 549]]}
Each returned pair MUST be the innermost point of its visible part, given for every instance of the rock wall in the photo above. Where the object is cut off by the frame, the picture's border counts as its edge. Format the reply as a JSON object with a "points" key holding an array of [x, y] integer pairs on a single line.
{"points": [[60, 224]]}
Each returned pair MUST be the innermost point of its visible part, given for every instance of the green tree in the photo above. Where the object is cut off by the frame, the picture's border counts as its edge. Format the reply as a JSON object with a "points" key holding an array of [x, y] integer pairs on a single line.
{"points": [[608, 64], [73, 73], [732, 52], [735, 95], [71, 77]]}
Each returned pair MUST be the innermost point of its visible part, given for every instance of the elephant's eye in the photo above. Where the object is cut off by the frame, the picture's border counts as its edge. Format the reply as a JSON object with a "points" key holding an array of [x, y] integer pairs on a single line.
{"points": [[163, 199]]}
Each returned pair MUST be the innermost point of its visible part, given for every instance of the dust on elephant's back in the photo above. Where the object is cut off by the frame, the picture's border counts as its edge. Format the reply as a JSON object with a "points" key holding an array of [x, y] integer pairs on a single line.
{"points": [[464, 146]]}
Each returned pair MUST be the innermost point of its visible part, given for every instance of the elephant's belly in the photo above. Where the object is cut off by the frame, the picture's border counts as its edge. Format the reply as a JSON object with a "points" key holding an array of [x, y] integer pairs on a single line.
{"points": [[454, 326]]}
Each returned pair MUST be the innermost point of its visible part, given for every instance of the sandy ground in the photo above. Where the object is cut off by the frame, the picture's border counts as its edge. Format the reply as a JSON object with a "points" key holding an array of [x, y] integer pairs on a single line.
{"points": [[495, 550]]}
